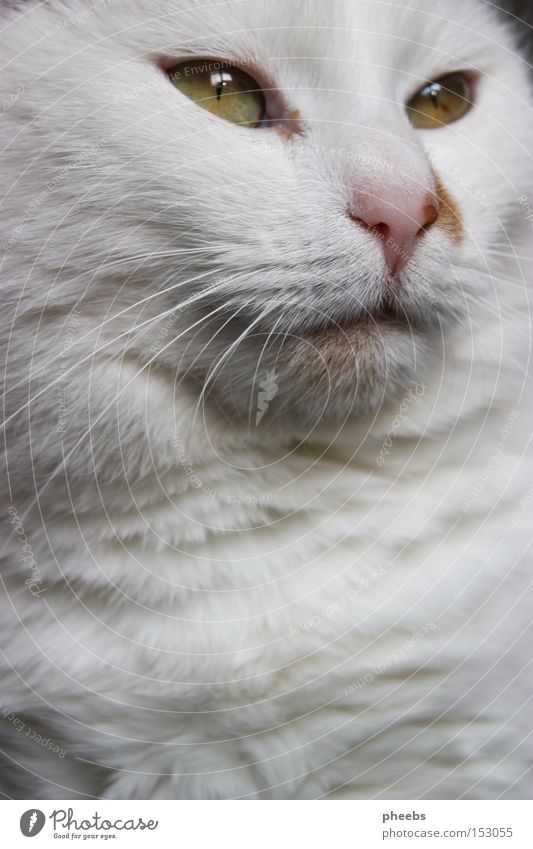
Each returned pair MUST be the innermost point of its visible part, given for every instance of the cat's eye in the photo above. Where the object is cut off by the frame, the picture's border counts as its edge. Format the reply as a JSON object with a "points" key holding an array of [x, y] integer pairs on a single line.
{"points": [[222, 89], [441, 102]]}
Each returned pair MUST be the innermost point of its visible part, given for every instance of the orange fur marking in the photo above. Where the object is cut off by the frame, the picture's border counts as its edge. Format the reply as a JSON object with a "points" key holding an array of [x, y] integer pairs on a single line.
{"points": [[292, 126], [449, 218]]}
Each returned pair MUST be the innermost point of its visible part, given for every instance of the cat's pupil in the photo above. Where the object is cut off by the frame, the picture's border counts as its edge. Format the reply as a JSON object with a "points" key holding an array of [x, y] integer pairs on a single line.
{"points": [[219, 83], [434, 93]]}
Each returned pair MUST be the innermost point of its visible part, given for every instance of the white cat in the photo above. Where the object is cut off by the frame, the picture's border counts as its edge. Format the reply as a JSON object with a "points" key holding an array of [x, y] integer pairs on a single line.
{"points": [[266, 279]]}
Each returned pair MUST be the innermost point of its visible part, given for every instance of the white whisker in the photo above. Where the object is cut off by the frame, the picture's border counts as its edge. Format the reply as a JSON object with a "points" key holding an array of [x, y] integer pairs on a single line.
{"points": [[222, 359], [106, 409], [92, 354]]}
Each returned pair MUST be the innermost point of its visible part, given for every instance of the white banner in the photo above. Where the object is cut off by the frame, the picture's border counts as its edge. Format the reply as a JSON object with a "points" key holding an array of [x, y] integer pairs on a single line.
{"points": [[268, 825]]}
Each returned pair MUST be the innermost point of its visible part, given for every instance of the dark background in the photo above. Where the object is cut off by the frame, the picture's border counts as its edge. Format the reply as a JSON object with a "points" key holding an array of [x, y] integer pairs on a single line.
{"points": [[523, 10]]}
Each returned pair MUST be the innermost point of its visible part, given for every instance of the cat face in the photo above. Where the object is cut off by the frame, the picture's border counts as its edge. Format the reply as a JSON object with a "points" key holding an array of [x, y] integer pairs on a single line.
{"points": [[315, 232]]}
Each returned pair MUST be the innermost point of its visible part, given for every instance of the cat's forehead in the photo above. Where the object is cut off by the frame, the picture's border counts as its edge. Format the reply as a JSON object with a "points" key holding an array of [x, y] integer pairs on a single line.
{"points": [[400, 31], [350, 43]]}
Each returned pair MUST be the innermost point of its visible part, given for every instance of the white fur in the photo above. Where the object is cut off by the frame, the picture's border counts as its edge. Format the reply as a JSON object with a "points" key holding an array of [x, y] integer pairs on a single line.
{"points": [[209, 595]]}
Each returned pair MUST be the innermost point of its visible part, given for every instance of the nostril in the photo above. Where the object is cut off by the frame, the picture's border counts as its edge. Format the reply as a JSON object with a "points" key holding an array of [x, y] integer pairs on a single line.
{"points": [[397, 227], [381, 229]]}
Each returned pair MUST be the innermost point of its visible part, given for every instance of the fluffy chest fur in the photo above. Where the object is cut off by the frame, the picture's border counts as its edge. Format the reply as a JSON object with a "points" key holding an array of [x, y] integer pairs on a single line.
{"points": [[330, 626]]}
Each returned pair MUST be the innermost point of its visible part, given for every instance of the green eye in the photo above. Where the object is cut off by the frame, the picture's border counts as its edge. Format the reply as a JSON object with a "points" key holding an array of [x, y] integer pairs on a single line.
{"points": [[222, 89], [442, 102]]}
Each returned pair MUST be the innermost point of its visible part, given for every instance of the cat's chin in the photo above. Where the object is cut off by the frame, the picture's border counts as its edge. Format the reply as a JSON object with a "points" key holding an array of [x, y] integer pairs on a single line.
{"points": [[354, 368], [326, 375]]}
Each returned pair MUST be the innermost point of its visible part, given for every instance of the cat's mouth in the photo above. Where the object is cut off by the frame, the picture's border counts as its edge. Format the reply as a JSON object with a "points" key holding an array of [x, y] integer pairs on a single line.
{"points": [[388, 315]]}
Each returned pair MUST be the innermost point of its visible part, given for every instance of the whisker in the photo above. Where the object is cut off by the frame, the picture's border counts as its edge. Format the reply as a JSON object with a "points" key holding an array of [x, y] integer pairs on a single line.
{"points": [[510, 254], [92, 354], [112, 403], [210, 340], [216, 366], [114, 318], [263, 349]]}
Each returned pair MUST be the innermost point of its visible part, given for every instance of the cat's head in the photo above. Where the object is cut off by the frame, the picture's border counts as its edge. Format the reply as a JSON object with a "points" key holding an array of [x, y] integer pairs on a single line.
{"points": [[264, 198]]}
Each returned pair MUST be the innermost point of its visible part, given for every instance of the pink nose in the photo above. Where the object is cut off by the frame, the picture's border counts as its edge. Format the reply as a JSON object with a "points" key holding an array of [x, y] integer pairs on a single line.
{"points": [[398, 225]]}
